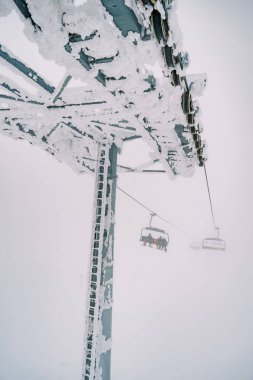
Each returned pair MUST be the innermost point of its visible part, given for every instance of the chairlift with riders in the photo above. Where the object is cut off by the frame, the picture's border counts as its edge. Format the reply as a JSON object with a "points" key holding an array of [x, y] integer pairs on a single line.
{"points": [[152, 236]]}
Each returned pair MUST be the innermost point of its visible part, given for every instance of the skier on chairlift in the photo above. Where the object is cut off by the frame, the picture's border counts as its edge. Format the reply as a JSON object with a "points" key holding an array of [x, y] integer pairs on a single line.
{"points": [[159, 242], [164, 244], [149, 239]]}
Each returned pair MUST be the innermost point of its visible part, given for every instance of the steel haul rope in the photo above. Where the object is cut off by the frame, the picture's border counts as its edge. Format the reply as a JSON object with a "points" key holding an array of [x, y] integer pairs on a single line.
{"points": [[153, 212], [209, 194]]}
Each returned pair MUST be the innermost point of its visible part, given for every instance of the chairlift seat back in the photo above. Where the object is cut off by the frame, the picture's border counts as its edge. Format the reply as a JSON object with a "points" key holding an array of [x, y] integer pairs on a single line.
{"points": [[155, 233], [214, 243], [195, 244]]}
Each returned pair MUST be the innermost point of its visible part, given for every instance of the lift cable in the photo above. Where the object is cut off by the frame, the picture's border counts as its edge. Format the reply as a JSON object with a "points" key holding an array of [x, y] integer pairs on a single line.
{"points": [[160, 217], [210, 200]]}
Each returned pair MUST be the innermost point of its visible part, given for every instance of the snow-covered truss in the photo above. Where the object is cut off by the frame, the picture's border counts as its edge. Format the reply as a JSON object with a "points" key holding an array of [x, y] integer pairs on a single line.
{"points": [[129, 56]]}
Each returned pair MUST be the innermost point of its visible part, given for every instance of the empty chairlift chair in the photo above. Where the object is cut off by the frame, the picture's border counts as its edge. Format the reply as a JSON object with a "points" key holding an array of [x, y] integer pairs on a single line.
{"points": [[214, 243], [196, 244]]}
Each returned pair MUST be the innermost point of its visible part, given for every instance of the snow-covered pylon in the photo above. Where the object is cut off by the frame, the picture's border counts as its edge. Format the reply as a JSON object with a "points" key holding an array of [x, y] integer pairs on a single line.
{"points": [[97, 344], [129, 57]]}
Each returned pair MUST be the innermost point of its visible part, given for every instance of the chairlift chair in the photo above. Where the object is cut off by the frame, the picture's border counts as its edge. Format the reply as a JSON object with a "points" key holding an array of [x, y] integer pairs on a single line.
{"points": [[196, 244], [152, 236], [214, 243]]}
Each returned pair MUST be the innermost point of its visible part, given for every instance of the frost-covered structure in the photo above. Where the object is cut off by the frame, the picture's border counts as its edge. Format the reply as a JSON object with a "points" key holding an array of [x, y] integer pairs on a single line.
{"points": [[129, 56]]}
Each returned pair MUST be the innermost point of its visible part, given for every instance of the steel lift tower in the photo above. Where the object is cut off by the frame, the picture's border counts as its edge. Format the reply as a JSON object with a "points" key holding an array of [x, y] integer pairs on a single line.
{"points": [[99, 309], [130, 60]]}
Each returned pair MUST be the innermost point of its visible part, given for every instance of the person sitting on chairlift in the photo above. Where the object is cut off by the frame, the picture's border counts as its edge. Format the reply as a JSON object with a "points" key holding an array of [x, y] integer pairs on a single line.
{"points": [[161, 243], [164, 244], [149, 239]]}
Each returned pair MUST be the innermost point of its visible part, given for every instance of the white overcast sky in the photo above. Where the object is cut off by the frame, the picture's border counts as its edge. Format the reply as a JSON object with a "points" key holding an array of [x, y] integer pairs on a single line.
{"points": [[184, 315]]}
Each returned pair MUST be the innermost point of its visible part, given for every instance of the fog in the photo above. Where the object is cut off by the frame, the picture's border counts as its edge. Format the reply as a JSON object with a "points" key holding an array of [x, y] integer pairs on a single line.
{"points": [[182, 315]]}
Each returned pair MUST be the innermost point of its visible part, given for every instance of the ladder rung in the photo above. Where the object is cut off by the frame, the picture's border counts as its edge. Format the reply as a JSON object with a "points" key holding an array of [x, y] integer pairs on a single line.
{"points": [[89, 329], [88, 354]]}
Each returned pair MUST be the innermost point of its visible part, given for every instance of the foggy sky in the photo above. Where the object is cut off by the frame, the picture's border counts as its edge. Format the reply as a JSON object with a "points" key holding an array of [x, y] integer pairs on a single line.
{"points": [[186, 315]]}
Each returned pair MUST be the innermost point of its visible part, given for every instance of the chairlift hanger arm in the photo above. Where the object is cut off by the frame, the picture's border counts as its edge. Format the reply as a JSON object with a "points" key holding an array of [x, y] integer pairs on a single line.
{"points": [[151, 218]]}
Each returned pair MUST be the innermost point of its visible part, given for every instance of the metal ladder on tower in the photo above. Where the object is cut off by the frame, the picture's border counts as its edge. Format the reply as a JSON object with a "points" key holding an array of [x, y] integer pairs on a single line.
{"points": [[92, 319]]}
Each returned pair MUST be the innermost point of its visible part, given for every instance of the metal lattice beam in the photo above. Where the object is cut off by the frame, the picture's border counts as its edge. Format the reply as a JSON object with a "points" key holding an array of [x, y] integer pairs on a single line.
{"points": [[24, 69]]}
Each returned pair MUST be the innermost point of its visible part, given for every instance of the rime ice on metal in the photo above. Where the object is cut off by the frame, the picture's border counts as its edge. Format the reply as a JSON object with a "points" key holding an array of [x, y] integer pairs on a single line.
{"points": [[133, 70], [129, 57]]}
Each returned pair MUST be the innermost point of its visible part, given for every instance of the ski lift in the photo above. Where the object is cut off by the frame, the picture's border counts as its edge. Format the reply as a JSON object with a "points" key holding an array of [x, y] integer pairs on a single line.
{"points": [[195, 244], [214, 243], [152, 236]]}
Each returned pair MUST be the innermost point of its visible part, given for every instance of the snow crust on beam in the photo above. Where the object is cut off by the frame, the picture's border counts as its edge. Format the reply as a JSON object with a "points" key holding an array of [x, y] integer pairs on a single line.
{"points": [[128, 73]]}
